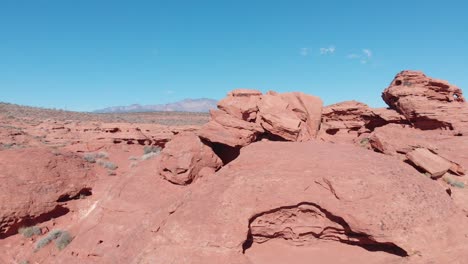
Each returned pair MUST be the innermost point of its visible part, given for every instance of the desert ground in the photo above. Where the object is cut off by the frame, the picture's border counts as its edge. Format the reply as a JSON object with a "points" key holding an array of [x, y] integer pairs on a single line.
{"points": [[265, 178]]}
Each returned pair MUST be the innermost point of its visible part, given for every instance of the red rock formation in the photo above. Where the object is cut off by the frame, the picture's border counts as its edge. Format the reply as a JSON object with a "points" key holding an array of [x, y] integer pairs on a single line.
{"points": [[426, 102], [184, 158], [34, 181], [304, 193], [345, 121], [245, 116]]}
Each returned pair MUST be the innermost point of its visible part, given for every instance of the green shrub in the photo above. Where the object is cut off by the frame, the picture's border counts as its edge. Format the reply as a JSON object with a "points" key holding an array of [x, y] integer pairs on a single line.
{"points": [[102, 155], [107, 164], [52, 235], [151, 149], [62, 239], [90, 157], [30, 231], [149, 155], [454, 183]]}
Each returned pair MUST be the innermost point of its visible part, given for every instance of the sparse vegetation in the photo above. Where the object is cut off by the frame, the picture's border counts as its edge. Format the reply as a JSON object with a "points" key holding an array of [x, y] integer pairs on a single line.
{"points": [[29, 231], [454, 183], [90, 157], [107, 164], [6, 146], [149, 155], [102, 155], [62, 239], [151, 149], [364, 142]]}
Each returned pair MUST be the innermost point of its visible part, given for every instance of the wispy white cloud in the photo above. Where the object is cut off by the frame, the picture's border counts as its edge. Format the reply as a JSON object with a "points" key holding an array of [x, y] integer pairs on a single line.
{"points": [[367, 52], [169, 92], [304, 52], [364, 57], [329, 50]]}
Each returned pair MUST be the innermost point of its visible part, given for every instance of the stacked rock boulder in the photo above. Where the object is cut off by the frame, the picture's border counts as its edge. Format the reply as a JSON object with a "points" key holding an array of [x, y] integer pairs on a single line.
{"points": [[243, 117], [427, 103]]}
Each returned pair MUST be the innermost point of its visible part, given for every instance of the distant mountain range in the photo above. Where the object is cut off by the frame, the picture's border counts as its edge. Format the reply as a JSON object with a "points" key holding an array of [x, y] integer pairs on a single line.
{"points": [[187, 105]]}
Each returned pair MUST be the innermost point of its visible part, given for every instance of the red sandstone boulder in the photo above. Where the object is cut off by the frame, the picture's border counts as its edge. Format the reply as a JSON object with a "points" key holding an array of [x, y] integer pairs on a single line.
{"points": [[34, 181], [184, 157], [426, 102], [229, 130], [398, 141], [241, 104], [290, 116], [247, 115], [433, 164], [346, 121]]}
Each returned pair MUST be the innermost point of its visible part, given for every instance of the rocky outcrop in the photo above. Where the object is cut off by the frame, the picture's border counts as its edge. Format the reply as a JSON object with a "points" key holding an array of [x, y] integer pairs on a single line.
{"points": [[427, 103], [184, 158], [34, 182], [400, 141], [245, 116], [346, 121], [305, 193]]}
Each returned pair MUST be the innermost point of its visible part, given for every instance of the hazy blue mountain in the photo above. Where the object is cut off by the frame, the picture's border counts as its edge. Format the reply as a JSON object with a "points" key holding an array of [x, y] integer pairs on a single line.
{"points": [[187, 105]]}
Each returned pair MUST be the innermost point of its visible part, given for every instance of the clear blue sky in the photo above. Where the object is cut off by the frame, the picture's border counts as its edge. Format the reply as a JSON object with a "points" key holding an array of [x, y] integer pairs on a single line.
{"points": [[88, 54]]}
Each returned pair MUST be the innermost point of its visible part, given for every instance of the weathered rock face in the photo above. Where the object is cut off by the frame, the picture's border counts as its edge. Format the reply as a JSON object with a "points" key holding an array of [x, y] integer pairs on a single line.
{"points": [[426, 102], [241, 104], [345, 121], [34, 181], [185, 156], [290, 116], [312, 191], [229, 130], [399, 141], [247, 115], [433, 164]]}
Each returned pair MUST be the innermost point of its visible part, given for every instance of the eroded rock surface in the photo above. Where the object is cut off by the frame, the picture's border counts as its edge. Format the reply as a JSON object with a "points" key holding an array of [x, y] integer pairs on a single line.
{"points": [[34, 181], [428, 103], [185, 156], [340, 189]]}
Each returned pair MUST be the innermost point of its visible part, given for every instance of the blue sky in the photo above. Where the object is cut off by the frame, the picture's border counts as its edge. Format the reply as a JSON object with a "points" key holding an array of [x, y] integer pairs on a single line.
{"points": [[88, 54]]}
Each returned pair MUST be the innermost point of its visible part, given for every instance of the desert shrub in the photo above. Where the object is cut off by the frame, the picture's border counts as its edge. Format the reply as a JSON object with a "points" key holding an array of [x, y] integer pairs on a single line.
{"points": [[6, 146], [107, 164], [52, 235], [63, 240], [90, 157], [149, 155], [111, 173], [30, 231], [151, 149], [364, 141], [102, 155], [454, 183], [24, 262]]}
